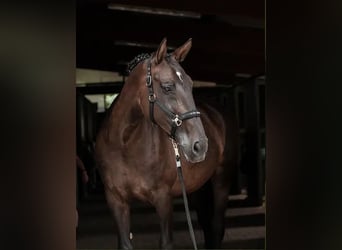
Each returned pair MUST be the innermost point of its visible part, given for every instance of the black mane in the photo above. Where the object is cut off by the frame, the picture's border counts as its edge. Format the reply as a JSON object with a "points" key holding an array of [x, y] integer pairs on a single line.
{"points": [[133, 63], [136, 60]]}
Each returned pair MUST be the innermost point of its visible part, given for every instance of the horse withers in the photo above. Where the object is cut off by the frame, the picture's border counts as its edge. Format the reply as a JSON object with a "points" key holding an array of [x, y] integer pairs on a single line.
{"points": [[135, 155]]}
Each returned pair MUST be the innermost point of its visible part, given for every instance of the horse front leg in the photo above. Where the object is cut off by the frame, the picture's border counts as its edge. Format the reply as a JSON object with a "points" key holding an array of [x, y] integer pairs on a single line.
{"points": [[221, 184], [121, 212], [210, 203], [220, 199], [202, 201], [164, 207]]}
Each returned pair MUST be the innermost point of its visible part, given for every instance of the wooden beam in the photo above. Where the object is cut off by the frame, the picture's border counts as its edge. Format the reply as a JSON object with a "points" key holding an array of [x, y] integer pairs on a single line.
{"points": [[245, 8], [199, 64], [219, 49], [212, 36]]}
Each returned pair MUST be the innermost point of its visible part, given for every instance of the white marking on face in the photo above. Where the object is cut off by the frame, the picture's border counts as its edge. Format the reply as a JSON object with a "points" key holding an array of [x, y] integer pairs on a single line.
{"points": [[179, 75]]}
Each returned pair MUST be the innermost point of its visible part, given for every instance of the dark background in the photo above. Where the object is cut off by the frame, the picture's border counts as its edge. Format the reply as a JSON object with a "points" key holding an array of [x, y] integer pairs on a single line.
{"points": [[302, 122], [228, 49]]}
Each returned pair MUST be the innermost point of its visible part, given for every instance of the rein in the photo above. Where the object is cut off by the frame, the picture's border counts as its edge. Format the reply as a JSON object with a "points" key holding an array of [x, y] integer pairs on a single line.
{"points": [[176, 121], [181, 179]]}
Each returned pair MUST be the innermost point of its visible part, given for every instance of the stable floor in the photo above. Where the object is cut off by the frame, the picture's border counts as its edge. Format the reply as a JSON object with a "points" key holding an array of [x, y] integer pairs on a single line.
{"points": [[96, 230]]}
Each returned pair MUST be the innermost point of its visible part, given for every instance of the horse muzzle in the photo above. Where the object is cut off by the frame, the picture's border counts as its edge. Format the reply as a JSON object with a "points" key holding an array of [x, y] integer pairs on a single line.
{"points": [[195, 152]]}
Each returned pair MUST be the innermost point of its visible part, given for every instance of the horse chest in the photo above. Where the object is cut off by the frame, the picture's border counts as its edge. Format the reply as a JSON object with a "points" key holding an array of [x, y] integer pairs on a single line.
{"points": [[143, 178], [195, 175]]}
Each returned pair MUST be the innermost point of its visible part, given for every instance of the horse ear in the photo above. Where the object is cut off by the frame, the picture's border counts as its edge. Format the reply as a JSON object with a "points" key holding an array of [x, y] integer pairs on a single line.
{"points": [[161, 52], [181, 52]]}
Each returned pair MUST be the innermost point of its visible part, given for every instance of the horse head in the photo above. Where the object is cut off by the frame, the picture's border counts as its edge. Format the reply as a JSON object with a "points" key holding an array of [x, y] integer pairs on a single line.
{"points": [[166, 99]]}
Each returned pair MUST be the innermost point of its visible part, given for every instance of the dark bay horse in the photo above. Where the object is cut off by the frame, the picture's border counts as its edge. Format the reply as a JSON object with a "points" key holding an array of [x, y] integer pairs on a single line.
{"points": [[135, 155]]}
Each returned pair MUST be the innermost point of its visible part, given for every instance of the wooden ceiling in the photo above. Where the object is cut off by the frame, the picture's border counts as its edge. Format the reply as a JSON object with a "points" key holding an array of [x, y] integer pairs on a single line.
{"points": [[228, 36]]}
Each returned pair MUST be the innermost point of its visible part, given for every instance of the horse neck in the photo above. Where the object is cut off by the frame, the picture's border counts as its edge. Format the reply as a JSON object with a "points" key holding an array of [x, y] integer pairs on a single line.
{"points": [[126, 110], [126, 117]]}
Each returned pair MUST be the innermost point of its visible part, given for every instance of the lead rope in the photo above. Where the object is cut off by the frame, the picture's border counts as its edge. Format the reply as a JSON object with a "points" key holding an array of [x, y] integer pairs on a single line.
{"points": [[181, 179]]}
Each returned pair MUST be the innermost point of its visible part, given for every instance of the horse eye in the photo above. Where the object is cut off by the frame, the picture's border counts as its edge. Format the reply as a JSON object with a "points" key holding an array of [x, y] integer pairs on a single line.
{"points": [[168, 87]]}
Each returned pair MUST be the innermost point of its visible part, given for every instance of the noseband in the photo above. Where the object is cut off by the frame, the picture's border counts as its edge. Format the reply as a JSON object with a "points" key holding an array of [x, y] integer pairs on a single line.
{"points": [[176, 119]]}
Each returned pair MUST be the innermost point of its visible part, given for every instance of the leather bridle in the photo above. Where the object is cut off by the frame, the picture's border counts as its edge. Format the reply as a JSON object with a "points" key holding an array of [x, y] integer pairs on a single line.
{"points": [[176, 119]]}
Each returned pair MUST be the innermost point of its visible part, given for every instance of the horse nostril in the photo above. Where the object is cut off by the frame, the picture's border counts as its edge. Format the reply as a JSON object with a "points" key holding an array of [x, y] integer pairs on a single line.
{"points": [[197, 147], [198, 150]]}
